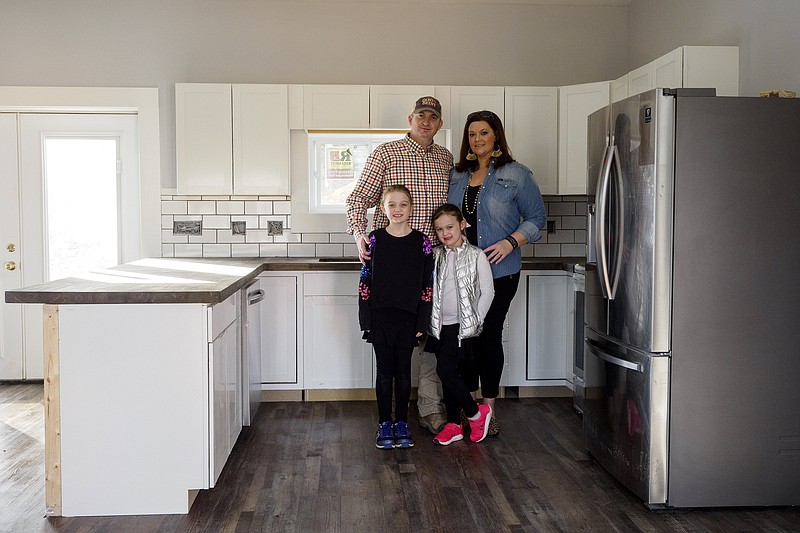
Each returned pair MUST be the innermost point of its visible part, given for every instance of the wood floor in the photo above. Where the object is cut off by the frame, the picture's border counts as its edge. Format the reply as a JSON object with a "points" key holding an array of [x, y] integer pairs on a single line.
{"points": [[313, 467]]}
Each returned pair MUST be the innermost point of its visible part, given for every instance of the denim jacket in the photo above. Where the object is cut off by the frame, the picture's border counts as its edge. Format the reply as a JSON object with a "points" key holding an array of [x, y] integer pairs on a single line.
{"points": [[509, 201]]}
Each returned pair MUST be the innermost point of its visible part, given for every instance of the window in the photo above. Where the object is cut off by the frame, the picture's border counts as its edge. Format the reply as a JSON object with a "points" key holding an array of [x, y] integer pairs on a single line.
{"points": [[335, 162]]}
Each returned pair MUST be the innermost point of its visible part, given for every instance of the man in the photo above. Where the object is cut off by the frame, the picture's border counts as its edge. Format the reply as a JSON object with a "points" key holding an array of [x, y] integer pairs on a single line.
{"points": [[424, 168]]}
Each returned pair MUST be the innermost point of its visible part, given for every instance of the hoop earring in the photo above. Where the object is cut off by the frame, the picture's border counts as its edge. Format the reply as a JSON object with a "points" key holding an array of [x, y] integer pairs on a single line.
{"points": [[470, 156], [497, 152]]}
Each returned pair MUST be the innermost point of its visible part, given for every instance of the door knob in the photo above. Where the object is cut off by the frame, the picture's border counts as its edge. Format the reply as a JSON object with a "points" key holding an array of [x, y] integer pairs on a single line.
{"points": [[11, 265], [11, 247]]}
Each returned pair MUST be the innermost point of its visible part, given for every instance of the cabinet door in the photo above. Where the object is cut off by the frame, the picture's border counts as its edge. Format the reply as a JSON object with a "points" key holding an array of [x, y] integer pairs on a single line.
{"points": [[576, 103], [640, 80], [279, 332], [619, 89], [203, 138], [531, 126], [668, 70], [261, 139], [712, 66], [465, 100], [390, 105], [336, 106], [515, 338], [225, 398], [547, 326]]}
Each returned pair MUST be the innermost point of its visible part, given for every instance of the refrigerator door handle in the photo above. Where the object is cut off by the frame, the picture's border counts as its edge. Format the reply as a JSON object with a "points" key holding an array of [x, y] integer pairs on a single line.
{"points": [[619, 233], [605, 356], [601, 195]]}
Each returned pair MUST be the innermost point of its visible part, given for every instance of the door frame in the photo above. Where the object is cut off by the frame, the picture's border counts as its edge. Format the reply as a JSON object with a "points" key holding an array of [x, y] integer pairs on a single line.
{"points": [[141, 100]]}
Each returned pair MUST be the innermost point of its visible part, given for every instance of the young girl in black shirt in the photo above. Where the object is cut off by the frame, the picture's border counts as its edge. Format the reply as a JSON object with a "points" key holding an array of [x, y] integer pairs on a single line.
{"points": [[395, 290]]}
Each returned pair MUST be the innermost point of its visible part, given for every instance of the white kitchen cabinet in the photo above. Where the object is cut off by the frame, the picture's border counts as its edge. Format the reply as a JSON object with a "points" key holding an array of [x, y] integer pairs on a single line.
{"points": [[390, 105], [537, 336], [690, 66], [150, 403], [576, 103], [336, 107], [225, 381], [619, 88], [280, 330], [531, 125], [465, 100], [334, 354], [232, 139]]}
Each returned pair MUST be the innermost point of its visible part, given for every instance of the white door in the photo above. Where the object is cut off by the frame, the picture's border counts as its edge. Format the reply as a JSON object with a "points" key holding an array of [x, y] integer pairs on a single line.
{"points": [[70, 203]]}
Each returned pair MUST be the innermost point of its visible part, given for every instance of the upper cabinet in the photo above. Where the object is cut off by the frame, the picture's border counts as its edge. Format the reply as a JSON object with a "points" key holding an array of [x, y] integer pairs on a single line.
{"points": [[531, 124], [465, 100], [619, 89], [232, 139], [390, 105], [335, 107], [690, 66], [575, 104]]}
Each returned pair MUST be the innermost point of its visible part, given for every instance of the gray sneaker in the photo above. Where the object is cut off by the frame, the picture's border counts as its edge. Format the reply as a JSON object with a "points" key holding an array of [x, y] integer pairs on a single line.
{"points": [[433, 422]]}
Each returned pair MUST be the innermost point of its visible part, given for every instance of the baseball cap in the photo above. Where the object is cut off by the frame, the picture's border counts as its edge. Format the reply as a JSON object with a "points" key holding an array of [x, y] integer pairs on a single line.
{"points": [[428, 103]]}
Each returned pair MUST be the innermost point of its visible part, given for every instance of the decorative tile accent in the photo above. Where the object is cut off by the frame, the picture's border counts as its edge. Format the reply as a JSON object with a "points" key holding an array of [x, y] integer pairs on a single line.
{"points": [[187, 227], [239, 227], [274, 227]]}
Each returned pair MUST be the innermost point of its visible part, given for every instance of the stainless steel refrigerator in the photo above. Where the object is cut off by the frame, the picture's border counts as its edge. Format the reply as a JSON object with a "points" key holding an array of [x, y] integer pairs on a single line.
{"points": [[692, 305]]}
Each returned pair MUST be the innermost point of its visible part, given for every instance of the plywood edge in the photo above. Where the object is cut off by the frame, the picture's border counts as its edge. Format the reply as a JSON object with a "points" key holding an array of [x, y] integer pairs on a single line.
{"points": [[52, 413]]}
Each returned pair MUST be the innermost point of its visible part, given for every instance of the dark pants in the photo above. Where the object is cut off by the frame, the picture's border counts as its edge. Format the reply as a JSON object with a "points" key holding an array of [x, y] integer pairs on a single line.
{"points": [[489, 346], [452, 365], [393, 369]]}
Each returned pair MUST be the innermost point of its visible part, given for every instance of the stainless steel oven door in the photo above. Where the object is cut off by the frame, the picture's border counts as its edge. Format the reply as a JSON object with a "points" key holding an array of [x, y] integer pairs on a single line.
{"points": [[625, 415]]}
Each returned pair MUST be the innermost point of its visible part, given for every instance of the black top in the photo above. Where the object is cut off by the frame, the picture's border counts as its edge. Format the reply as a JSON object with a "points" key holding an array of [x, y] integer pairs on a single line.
{"points": [[399, 275]]}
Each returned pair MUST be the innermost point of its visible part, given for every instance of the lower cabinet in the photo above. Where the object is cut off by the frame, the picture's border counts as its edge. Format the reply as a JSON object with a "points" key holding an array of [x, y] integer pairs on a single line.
{"points": [[280, 331], [537, 338], [334, 354]]}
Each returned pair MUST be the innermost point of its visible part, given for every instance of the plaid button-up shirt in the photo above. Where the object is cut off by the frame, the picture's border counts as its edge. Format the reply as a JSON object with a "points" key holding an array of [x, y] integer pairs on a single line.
{"points": [[424, 171]]}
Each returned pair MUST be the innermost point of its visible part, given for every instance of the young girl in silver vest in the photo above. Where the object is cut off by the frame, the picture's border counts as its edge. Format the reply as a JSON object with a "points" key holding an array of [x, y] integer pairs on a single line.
{"points": [[462, 293]]}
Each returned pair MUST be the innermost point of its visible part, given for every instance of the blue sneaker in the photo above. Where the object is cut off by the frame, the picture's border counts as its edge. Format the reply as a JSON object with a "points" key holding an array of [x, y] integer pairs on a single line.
{"points": [[384, 438], [402, 436]]}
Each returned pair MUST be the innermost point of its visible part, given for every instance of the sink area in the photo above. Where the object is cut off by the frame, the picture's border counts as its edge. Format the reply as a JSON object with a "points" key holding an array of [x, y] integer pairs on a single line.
{"points": [[338, 259]]}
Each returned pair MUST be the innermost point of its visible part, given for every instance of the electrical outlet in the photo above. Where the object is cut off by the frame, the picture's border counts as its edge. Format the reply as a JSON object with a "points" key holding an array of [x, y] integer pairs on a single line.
{"points": [[551, 226]]}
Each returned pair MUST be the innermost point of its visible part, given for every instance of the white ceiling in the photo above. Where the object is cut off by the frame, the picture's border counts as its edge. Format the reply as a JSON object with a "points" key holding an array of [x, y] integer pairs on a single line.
{"points": [[597, 3]]}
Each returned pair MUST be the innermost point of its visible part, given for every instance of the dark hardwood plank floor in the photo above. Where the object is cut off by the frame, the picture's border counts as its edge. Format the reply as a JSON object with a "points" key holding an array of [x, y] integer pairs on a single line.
{"points": [[313, 467]]}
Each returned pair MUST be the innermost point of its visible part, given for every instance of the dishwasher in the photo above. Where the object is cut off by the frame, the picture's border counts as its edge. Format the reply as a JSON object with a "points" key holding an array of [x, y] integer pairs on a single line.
{"points": [[578, 355], [252, 296]]}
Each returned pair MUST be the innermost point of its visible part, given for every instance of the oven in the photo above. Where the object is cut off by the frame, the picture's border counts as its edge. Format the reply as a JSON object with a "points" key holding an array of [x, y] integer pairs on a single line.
{"points": [[578, 358]]}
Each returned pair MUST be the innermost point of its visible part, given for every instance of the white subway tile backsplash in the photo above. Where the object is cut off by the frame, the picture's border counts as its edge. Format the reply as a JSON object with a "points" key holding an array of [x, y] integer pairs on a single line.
{"points": [[258, 208], [173, 207], [217, 212], [273, 250], [316, 237], [244, 250], [204, 207], [188, 250], [216, 250], [329, 250]]}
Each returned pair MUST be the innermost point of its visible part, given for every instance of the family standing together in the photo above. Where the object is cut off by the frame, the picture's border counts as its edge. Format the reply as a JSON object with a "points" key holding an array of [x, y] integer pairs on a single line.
{"points": [[440, 269]]}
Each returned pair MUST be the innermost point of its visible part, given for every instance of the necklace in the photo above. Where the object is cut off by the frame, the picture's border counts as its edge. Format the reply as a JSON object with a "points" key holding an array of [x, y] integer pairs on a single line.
{"points": [[467, 209]]}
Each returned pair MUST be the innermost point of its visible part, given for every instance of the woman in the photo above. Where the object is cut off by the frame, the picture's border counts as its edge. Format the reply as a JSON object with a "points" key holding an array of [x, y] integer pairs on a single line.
{"points": [[504, 210]]}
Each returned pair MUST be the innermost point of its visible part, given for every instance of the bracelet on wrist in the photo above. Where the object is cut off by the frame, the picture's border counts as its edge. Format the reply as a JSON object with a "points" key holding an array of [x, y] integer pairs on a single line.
{"points": [[513, 241]]}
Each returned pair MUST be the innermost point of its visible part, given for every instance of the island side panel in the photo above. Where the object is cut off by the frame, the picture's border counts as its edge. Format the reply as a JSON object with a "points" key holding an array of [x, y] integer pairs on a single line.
{"points": [[134, 407], [52, 413]]}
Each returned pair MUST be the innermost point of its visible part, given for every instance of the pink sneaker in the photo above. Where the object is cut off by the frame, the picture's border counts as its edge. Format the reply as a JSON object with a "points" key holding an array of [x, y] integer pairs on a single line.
{"points": [[479, 428], [451, 433]]}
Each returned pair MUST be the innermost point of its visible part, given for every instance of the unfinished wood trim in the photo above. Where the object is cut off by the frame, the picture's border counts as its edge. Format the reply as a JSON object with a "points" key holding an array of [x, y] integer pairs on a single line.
{"points": [[52, 413]]}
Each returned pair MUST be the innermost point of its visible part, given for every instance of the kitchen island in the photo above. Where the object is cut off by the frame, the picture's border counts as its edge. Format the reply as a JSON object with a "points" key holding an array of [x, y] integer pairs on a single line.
{"points": [[141, 377]]}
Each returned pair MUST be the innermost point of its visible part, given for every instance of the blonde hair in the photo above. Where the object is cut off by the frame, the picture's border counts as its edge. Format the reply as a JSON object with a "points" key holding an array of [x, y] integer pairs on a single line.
{"points": [[396, 188]]}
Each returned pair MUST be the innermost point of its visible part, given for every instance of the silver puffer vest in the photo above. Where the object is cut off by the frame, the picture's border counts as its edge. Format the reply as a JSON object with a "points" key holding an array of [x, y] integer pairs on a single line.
{"points": [[467, 288]]}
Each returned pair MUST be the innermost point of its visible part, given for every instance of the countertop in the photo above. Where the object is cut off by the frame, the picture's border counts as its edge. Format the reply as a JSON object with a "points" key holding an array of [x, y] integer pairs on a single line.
{"points": [[195, 280]]}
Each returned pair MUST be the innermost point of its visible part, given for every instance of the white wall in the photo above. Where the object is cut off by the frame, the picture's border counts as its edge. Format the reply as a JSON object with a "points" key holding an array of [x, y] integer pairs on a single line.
{"points": [[765, 31], [155, 43]]}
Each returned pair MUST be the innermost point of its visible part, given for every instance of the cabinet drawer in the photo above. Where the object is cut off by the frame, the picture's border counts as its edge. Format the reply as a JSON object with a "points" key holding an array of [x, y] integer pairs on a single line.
{"points": [[330, 284], [222, 315]]}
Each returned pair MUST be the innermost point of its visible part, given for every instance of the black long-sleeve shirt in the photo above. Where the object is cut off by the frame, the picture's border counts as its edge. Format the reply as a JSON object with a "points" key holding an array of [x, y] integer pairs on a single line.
{"points": [[399, 275]]}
